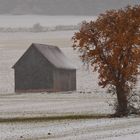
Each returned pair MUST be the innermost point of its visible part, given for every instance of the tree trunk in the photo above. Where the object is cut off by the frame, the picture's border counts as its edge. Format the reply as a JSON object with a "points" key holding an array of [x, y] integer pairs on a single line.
{"points": [[122, 109]]}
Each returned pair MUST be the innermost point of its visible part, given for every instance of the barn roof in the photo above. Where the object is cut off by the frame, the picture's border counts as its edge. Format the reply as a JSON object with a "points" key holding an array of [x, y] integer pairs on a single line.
{"points": [[54, 55]]}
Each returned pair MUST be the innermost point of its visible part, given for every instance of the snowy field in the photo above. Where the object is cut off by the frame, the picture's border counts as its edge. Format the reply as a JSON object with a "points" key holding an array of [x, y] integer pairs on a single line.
{"points": [[43, 116]]}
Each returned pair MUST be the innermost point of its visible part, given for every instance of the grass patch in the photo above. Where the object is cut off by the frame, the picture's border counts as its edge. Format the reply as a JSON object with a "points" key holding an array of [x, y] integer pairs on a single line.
{"points": [[54, 118]]}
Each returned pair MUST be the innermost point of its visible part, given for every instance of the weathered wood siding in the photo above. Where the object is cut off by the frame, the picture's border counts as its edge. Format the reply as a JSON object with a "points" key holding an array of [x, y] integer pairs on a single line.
{"points": [[33, 73], [64, 80]]}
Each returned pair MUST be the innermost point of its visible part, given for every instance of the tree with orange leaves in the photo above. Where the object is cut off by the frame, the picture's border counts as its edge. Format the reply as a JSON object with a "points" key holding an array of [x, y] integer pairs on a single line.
{"points": [[111, 45]]}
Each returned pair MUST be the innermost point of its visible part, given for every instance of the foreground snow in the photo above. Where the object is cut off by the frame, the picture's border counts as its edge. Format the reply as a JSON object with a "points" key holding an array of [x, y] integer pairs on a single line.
{"points": [[107, 129], [21, 113], [54, 104]]}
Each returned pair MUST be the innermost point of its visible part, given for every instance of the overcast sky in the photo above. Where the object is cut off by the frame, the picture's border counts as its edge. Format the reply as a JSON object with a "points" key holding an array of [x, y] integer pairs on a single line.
{"points": [[61, 7]]}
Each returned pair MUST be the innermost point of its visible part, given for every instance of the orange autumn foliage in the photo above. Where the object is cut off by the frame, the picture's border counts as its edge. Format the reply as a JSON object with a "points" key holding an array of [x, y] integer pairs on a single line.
{"points": [[111, 44]]}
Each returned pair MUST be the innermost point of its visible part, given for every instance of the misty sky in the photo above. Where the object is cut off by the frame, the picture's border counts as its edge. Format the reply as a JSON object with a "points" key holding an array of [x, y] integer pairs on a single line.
{"points": [[61, 7]]}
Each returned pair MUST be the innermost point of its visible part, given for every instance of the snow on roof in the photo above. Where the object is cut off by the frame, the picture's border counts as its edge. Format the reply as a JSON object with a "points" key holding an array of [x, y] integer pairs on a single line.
{"points": [[54, 55]]}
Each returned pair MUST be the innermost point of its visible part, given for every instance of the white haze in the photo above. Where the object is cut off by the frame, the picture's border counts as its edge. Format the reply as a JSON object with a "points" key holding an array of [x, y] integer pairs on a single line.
{"points": [[49, 21]]}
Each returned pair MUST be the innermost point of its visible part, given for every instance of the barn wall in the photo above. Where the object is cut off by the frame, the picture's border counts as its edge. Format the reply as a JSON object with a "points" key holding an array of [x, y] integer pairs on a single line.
{"points": [[65, 80], [73, 79], [33, 73]]}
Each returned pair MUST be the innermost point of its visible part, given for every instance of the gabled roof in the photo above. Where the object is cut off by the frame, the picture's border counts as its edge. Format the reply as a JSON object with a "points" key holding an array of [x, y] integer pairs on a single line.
{"points": [[53, 54]]}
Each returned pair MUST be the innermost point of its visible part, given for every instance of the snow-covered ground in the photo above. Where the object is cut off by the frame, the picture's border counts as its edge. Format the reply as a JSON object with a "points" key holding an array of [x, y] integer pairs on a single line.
{"points": [[88, 100], [84, 129]]}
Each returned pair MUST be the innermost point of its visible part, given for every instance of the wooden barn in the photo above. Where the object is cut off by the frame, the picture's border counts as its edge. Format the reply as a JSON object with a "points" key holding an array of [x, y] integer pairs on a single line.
{"points": [[44, 68]]}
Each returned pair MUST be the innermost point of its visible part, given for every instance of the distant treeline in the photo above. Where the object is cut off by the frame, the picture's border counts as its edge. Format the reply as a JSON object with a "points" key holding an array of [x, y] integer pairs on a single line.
{"points": [[39, 28], [61, 7]]}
